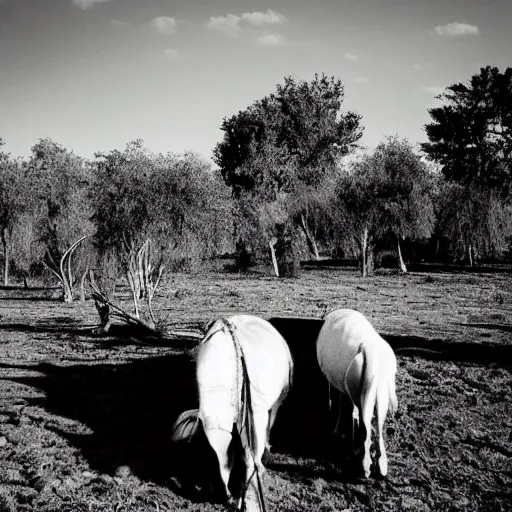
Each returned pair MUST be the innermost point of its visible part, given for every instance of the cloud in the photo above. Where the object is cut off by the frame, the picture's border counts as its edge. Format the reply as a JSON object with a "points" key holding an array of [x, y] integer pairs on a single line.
{"points": [[350, 56], [456, 29], [259, 19], [87, 4], [171, 53], [361, 79], [271, 40], [228, 25], [231, 24], [164, 24]]}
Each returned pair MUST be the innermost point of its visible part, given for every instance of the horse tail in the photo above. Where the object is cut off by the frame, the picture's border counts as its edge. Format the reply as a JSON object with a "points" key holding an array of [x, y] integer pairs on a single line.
{"points": [[245, 425], [361, 381]]}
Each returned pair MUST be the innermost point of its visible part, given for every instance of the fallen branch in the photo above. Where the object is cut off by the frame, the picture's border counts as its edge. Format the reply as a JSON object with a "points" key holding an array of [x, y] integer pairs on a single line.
{"points": [[102, 299], [108, 309]]}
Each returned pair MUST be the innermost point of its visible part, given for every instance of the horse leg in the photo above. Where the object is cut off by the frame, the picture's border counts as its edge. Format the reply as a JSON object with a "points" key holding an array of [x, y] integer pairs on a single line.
{"points": [[368, 407], [382, 409], [271, 420], [255, 469]]}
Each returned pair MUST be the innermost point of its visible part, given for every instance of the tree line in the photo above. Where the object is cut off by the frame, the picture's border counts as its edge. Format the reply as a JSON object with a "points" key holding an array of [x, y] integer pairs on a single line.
{"points": [[291, 183]]}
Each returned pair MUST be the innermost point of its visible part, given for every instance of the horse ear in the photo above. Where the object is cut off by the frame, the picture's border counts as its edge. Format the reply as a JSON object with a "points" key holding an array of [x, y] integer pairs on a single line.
{"points": [[209, 325], [186, 427]]}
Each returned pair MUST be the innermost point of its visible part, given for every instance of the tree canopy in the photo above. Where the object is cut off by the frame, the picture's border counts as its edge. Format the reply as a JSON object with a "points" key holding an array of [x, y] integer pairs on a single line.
{"points": [[281, 149], [471, 134], [58, 181], [170, 199], [14, 200], [292, 136], [387, 192]]}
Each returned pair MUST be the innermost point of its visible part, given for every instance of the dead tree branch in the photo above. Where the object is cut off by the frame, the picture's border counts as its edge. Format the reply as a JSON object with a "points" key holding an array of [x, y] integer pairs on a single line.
{"points": [[64, 270]]}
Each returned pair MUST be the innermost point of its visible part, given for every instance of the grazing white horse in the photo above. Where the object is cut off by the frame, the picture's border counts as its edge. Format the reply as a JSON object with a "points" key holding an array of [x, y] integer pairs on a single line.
{"points": [[244, 371], [360, 364]]}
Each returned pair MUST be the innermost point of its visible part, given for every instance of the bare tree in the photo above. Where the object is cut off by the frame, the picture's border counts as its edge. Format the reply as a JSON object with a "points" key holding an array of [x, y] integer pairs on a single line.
{"points": [[65, 273]]}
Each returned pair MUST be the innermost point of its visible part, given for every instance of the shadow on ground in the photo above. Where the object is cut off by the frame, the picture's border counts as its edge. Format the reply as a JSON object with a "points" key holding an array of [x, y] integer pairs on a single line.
{"points": [[130, 408]]}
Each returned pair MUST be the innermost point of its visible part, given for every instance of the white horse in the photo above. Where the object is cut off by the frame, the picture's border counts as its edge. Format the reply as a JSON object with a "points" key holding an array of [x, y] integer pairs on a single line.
{"points": [[244, 371], [360, 364]]}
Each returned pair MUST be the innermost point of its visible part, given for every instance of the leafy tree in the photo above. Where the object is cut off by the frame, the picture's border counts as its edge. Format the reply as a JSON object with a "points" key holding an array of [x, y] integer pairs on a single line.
{"points": [[470, 136], [288, 143], [474, 219], [59, 182], [356, 212], [171, 199], [404, 192], [13, 203], [387, 192], [154, 211]]}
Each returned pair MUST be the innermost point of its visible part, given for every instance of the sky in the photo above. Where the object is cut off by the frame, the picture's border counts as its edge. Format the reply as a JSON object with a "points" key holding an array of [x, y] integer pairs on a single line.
{"points": [[95, 74]]}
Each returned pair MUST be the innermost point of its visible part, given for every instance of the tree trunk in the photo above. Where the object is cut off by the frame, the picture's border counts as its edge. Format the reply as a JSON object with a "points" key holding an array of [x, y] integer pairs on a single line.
{"points": [[132, 281], [401, 262], [309, 238], [364, 244], [367, 262], [67, 292], [82, 284], [470, 254], [6, 257], [105, 319], [370, 264], [273, 254]]}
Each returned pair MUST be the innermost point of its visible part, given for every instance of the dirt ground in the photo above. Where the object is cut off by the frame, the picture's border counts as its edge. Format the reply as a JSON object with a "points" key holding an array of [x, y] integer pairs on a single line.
{"points": [[85, 421]]}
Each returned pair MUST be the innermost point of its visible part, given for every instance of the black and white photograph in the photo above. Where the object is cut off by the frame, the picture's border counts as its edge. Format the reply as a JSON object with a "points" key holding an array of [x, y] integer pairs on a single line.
{"points": [[256, 256]]}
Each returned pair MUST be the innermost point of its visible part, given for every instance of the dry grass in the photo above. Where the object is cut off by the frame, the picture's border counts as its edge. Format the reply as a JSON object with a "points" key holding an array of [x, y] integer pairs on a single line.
{"points": [[84, 422]]}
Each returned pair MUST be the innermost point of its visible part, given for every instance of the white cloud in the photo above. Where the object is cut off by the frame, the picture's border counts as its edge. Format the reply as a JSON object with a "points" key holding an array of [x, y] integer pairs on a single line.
{"points": [[232, 25], [271, 40], [360, 79], [164, 24], [171, 53], [228, 25], [87, 4], [456, 29], [261, 18], [350, 56]]}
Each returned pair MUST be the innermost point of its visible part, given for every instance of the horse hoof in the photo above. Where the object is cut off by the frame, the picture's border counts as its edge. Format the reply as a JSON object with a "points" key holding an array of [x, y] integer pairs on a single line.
{"points": [[231, 503]]}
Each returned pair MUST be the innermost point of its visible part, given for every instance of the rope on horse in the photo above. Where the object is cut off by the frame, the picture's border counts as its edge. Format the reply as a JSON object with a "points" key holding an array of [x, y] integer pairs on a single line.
{"points": [[247, 424]]}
